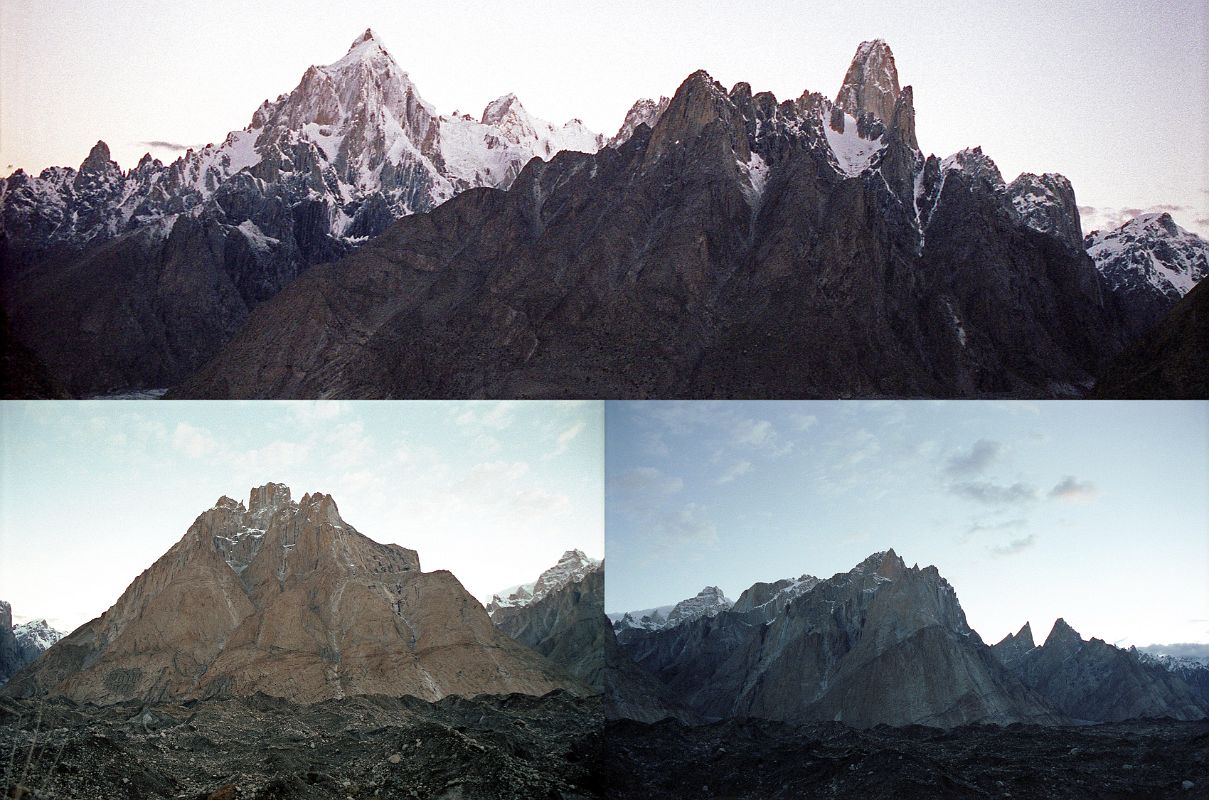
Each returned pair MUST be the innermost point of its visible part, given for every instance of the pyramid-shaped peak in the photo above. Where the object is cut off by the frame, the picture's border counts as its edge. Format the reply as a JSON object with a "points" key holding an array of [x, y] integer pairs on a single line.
{"points": [[366, 38], [871, 83], [499, 108], [1062, 633], [98, 160], [366, 48], [885, 563]]}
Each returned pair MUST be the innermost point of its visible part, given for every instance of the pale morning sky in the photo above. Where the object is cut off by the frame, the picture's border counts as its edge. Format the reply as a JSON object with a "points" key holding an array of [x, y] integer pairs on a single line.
{"points": [[1111, 94], [91, 493], [1096, 512]]}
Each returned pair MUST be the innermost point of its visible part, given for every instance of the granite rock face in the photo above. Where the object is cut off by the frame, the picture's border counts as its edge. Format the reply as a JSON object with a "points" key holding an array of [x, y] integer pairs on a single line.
{"points": [[883, 643], [741, 247], [287, 599], [1096, 682]]}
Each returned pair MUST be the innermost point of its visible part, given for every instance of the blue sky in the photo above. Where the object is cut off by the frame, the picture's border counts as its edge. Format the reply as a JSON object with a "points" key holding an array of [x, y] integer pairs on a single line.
{"points": [[91, 493], [1111, 94], [1095, 512]]}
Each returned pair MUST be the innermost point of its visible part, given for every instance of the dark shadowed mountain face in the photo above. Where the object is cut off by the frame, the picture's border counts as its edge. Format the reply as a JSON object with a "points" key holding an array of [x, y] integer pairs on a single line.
{"points": [[11, 655], [288, 599], [1169, 361], [567, 626], [883, 643], [741, 246], [1096, 682]]}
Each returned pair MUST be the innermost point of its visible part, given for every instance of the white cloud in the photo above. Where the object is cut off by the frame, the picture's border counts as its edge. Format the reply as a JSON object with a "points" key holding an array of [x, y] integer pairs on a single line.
{"points": [[565, 438], [804, 422], [735, 470], [193, 442], [496, 416], [307, 412], [753, 432], [538, 502], [686, 527]]}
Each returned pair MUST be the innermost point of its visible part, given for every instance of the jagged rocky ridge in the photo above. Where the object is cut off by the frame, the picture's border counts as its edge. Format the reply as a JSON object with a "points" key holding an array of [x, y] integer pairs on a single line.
{"points": [[132, 279], [739, 246], [286, 598], [888, 644], [709, 602], [1093, 681]]}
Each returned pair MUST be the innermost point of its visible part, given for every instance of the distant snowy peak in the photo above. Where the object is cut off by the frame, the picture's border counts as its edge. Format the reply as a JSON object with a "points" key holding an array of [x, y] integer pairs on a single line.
{"points": [[36, 637], [644, 112], [1150, 250], [573, 566], [709, 602], [492, 150]]}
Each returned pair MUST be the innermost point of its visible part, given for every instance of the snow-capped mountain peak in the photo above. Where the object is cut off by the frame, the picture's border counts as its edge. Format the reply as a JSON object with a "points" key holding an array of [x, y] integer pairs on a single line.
{"points": [[1151, 249], [709, 602], [354, 138], [36, 635], [572, 566]]}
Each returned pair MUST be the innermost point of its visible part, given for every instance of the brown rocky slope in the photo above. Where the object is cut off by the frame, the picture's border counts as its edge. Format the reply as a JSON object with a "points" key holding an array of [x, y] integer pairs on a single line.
{"points": [[287, 599]]}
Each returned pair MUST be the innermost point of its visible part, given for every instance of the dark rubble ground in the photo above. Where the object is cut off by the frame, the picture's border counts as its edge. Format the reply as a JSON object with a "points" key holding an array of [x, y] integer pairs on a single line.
{"points": [[762, 759], [263, 748]]}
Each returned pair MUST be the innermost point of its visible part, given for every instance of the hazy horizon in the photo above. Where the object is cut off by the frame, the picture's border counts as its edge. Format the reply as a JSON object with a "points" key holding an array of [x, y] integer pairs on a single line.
{"points": [[161, 79], [92, 493], [1030, 510]]}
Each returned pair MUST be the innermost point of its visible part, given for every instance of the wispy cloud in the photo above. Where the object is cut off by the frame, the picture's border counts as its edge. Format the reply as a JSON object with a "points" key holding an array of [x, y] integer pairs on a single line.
{"points": [[193, 441], [1015, 546], [735, 470], [160, 144], [565, 438], [686, 527], [804, 422], [975, 460], [644, 481], [994, 494], [1071, 490], [995, 527]]}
